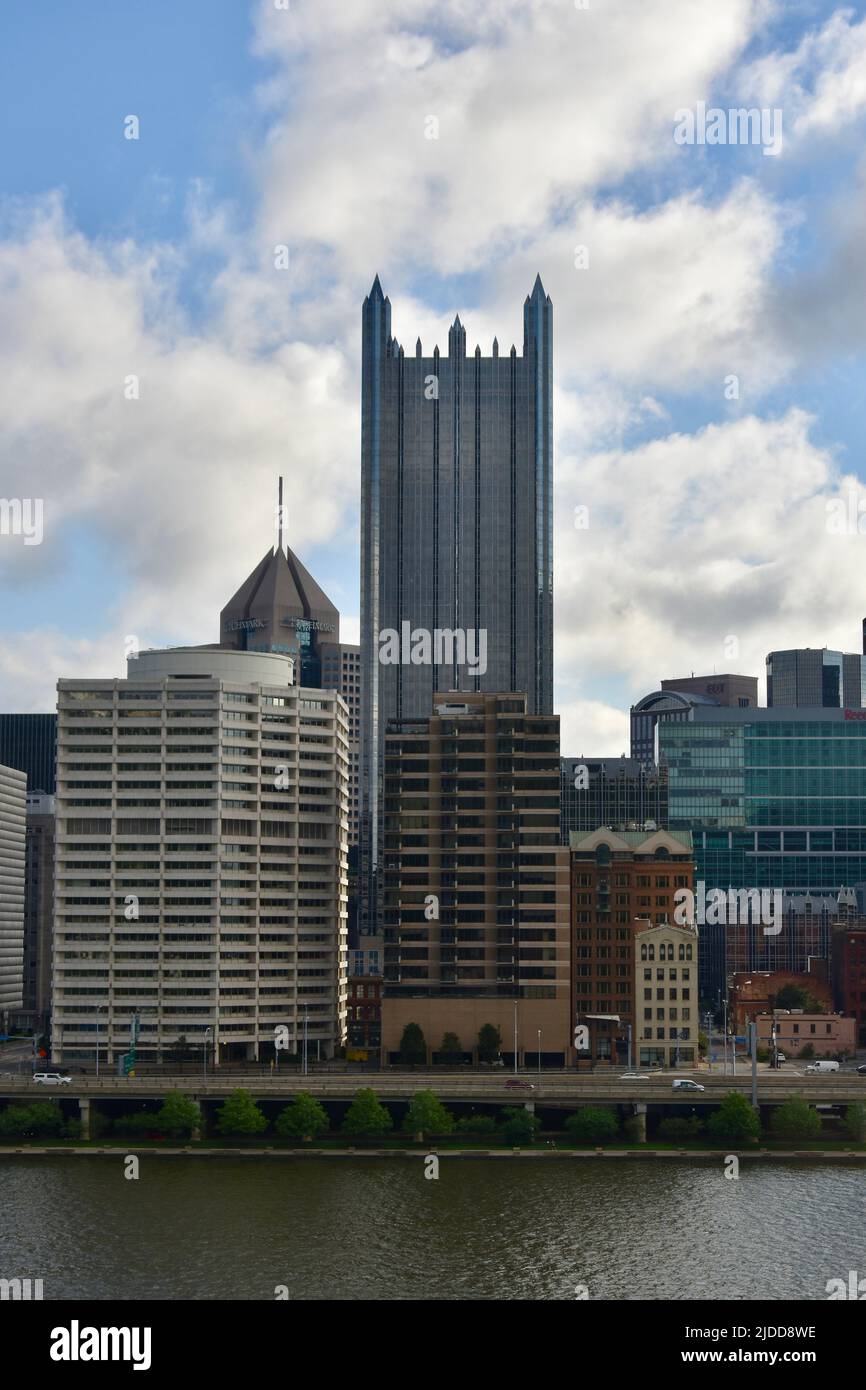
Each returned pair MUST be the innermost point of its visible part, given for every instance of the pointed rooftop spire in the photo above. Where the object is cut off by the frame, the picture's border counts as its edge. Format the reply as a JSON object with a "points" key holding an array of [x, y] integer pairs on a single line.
{"points": [[376, 291], [538, 288], [418, 351], [457, 339], [280, 513], [495, 347]]}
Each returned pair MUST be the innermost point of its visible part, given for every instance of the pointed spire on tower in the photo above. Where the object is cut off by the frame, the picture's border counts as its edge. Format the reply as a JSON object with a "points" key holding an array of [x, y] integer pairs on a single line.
{"points": [[457, 339], [376, 291], [495, 347], [418, 351], [280, 514]]}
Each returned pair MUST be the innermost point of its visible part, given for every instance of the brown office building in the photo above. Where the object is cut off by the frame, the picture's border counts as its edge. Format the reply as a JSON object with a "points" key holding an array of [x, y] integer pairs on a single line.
{"points": [[621, 882], [848, 972], [741, 692], [476, 925], [754, 992]]}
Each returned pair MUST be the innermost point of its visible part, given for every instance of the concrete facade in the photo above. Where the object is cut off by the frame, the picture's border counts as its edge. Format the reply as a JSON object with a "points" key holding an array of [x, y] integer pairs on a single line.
{"points": [[201, 852], [619, 881], [826, 1034], [666, 995]]}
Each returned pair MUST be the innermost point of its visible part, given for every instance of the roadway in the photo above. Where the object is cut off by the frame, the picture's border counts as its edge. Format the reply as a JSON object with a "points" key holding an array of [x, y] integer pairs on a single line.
{"points": [[554, 1089]]}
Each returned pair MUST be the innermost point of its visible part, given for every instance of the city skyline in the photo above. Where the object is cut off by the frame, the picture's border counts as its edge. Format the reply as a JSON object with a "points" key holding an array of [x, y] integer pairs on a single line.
{"points": [[708, 340]]}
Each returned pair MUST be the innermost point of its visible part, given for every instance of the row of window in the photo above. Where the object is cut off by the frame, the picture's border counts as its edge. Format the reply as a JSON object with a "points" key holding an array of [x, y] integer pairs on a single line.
{"points": [[666, 951]]}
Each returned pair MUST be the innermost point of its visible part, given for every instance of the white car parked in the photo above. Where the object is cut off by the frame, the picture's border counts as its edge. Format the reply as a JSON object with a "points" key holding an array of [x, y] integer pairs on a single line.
{"points": [[52, 1078]]}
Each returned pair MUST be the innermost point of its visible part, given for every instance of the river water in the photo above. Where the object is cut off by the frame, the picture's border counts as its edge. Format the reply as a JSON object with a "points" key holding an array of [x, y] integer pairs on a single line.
{"points": [[225, 1228]]}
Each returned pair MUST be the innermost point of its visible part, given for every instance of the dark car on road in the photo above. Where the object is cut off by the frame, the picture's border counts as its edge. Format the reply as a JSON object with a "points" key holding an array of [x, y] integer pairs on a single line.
{"points": [[515, 1085]]}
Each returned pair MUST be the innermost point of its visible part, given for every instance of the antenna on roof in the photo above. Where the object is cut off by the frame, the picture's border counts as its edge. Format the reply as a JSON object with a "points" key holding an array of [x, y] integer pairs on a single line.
{"points": [[280, 513]]}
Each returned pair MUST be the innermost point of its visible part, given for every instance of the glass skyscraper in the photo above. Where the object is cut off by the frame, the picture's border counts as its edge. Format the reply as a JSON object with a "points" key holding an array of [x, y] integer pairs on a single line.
{"points": [[456, 527], [774, 798], [28, 742], [813, 676]]}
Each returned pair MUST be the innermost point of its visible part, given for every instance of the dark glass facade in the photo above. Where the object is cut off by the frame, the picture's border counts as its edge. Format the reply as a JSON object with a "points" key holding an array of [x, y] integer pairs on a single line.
{"points": [[456, 527], [618, 792], [28, 743], [814, 676]]}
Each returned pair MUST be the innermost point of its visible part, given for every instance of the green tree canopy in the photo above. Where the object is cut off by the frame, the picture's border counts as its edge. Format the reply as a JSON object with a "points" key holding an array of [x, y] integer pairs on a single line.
{"points": [[489, 1042], [239, 1114], [139, 1122], [450, 1048], [521, 1125], [43, 1117], [677, 1128], [855, 1122], [593, 1124], [366, 1116], [413, 1047], [795, 1119], [735, 1119], [796, 997], [427, 1115], [178, 1115], [304, 1118], [476, 1124]]}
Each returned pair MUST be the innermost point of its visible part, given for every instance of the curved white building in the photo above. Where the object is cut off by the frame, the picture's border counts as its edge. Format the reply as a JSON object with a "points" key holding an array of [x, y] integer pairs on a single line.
{"points": [[201, 859]]}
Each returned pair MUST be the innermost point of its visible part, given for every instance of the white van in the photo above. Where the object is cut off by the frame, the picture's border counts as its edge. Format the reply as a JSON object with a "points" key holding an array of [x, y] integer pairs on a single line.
{"points": [[52, 1078], [822, 1066]]}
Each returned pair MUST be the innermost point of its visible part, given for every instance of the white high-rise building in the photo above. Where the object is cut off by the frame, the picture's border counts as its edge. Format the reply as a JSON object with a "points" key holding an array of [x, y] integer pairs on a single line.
{"points": [[201, 860], [13, 804]]}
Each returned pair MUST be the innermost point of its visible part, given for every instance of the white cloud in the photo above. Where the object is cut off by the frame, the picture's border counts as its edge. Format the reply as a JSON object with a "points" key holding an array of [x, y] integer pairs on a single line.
{"points": [[593, 728], [821, 82], [537, 104], [703, 552], [167, 479], [543, 111]]}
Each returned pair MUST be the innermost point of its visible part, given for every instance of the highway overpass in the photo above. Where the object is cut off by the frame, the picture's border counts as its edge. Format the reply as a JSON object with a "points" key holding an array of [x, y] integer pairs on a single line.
{"points": [[552, 1090]]}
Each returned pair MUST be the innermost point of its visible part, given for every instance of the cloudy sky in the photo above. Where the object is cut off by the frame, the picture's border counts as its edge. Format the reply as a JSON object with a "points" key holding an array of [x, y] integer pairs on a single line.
{"points": [[709, 309]]}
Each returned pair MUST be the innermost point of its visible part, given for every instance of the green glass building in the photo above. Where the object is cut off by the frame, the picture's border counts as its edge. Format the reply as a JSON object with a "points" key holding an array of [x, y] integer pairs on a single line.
{"points": [[774, 798]]}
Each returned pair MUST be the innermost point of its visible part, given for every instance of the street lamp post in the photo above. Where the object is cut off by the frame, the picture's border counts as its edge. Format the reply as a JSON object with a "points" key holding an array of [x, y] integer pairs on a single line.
{"points": [[539, 1056], [305, 1040], [207, 1033], [515, 1037]]}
